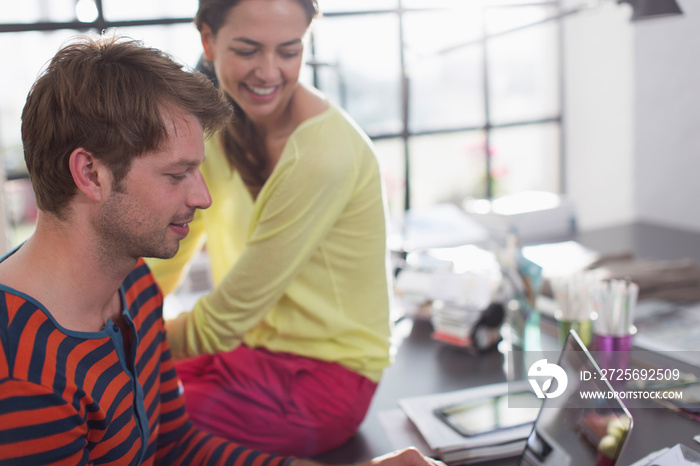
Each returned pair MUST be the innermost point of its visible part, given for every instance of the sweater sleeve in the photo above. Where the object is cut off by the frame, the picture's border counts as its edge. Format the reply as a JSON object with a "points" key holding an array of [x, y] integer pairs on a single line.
{"points": [[37, 426], [297, 207], [180, 443]]}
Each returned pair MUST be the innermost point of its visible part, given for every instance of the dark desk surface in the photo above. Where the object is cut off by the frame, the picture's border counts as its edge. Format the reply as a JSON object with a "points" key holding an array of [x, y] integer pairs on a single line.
{"points": [[423, 366]]}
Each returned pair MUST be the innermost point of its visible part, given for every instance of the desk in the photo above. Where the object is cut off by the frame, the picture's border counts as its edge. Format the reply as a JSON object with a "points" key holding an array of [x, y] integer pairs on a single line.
{"points": [[423, 366], [645, 240]]}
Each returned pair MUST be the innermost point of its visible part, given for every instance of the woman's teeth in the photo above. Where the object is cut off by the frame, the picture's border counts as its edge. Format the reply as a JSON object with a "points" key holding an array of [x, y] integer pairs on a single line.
{"points": [[262, 91]]}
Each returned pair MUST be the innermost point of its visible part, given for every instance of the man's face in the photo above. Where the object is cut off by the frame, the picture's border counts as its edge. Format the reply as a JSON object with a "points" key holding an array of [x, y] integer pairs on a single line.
{"points": [[149, 211]]}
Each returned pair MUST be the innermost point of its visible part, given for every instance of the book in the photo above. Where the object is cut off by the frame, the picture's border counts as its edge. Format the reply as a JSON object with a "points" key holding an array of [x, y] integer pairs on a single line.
{"points": [[475, 455], [454, 448]]}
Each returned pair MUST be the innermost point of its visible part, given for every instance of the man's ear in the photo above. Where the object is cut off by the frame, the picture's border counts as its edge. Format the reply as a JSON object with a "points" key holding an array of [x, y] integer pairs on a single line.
{"points": [[207, 36], [91, 176]]}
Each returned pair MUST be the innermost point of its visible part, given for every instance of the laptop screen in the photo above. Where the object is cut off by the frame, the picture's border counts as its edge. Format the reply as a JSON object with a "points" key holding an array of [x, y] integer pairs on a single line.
{"points": [[572, 430]]}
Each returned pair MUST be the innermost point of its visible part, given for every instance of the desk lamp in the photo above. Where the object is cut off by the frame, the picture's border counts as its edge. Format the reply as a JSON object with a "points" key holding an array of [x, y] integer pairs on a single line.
{"points": [[643, 9]]}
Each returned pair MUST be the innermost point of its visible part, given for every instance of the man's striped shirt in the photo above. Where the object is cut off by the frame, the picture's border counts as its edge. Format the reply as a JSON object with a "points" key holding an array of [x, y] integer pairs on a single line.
{"points": [[71, 397]]}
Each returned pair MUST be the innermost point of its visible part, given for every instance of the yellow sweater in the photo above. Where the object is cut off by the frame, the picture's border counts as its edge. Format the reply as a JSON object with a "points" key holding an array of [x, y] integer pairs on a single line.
{"points": [[302, 269]]}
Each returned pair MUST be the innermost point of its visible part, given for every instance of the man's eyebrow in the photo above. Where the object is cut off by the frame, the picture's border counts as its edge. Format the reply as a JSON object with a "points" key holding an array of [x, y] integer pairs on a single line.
{"points": [[184, 164], [250, 41]]}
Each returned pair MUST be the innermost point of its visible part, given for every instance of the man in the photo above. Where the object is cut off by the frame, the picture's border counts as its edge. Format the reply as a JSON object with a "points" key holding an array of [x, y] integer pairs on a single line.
{"points": [[113, 140]]}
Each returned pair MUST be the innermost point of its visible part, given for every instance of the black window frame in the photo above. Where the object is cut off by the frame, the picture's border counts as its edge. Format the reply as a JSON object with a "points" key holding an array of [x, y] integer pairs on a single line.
{"points": [[101, 24]]}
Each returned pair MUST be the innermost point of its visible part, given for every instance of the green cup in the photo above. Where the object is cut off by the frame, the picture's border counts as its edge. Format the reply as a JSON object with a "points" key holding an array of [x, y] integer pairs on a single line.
{"points": [[584, 328]]}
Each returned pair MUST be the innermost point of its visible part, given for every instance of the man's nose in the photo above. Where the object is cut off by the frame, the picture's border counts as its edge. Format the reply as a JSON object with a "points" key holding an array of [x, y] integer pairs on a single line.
{"points": [[200, 197]]}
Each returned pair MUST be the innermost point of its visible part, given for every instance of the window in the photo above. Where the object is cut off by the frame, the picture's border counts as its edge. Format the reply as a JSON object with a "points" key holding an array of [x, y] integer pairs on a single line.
{"points": [[477, 88], [462, 99]]}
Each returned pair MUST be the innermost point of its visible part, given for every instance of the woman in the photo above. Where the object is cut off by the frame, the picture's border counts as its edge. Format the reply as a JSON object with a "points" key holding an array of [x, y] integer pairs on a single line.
{"points": [[296, 331]]}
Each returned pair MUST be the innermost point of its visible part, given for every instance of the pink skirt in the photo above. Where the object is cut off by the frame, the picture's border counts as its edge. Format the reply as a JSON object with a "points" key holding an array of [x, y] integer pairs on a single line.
{"points": [[275, 402]]}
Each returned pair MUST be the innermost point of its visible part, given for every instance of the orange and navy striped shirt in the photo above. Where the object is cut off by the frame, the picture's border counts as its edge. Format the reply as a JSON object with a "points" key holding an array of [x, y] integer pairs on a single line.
{"points": [[71, 397]]}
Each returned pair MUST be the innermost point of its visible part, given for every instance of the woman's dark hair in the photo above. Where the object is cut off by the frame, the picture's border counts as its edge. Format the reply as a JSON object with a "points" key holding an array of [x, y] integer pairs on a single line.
{"points": [[243, 146], [213, 12]]}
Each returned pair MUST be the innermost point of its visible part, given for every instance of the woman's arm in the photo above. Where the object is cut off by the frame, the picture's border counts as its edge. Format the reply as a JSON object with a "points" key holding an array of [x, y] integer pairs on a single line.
{"points": [[294, 212]]}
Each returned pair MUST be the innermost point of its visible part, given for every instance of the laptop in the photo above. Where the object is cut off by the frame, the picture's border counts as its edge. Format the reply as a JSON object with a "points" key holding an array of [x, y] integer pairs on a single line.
{"points": [[571, 429], [561, 429]]}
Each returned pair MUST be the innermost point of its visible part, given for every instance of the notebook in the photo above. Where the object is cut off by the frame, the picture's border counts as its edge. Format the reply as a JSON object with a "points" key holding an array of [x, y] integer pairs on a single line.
{"points": [[574, 430]]}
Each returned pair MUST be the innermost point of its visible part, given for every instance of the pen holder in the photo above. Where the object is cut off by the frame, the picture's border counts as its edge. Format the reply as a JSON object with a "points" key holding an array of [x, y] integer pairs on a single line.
{"points": [[584, 328], [613, 343], [613, 350]]}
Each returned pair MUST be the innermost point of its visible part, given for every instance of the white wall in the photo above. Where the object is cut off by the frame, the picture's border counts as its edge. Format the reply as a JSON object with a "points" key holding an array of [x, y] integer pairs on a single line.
{"points": [[633, 116], [598, 105], [667, 119]]}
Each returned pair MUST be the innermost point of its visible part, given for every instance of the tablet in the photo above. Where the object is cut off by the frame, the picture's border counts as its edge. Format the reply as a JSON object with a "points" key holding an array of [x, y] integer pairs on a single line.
{"points": [[487, 415]]}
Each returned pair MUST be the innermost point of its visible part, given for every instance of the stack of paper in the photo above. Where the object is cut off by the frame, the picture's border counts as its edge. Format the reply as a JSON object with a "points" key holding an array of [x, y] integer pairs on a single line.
{"points": [[678, 455], [450, 446], [452, 285], [454, 324], [531, 215]]}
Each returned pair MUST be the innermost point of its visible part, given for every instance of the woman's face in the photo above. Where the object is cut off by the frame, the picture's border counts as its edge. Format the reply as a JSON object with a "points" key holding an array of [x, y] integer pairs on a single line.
{"points": [[257, 54]]}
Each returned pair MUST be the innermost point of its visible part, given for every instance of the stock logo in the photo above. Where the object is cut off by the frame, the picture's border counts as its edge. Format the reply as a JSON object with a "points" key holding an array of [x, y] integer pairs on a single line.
{"points": [[552, 371]]}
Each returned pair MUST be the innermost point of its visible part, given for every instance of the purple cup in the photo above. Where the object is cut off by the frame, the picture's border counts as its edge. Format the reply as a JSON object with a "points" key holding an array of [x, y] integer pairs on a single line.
{"points": [[613, 351], [607, 343]]}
